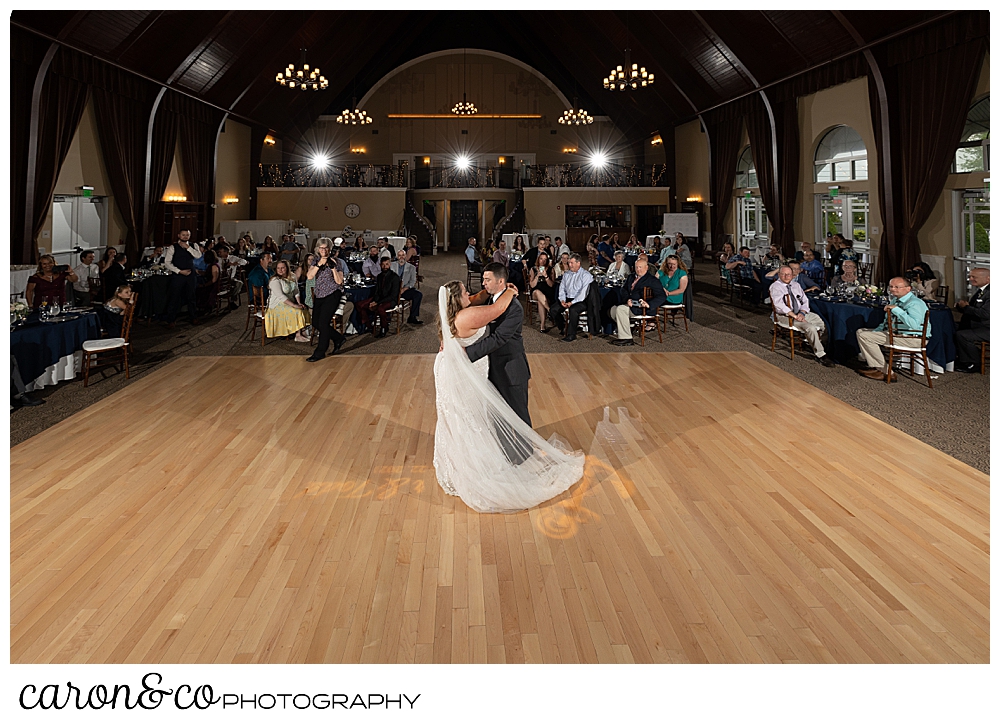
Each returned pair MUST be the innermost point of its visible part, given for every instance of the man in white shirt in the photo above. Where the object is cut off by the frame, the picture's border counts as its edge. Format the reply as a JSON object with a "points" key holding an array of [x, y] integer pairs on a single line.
{"points": [[789, 299], [179, 259], [408, 276], [573, 291], [84, 272], [562, 247]]}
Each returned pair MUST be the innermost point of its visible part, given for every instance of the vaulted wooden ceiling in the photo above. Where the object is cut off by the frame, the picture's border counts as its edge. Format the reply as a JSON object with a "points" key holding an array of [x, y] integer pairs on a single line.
{"points": [[701, 58]]}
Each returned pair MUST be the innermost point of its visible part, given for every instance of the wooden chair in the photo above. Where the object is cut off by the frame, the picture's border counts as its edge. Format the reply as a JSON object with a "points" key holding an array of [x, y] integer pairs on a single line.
{"points": [[783, 323], [473, 271], [416, 264], [643, 319], [260, 308], [109, 351], [984, 356], [222, 295], [899, 350], [402, 306], [864, 271], [737, 286], [941, 294], [671, 311], [724, 283]]}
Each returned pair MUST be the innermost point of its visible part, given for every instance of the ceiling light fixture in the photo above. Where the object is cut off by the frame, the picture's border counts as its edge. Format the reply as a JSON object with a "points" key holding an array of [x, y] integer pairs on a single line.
{"points": [[304, 78], [269, 140], [465, 108], [354, 117], [575, 116], [631, 75]]}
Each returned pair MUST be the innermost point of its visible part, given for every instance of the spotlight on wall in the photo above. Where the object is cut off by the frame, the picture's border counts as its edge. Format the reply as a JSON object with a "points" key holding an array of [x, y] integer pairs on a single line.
{"points": [[319, 161], [427, 160], [463, 162], [269, 140], [693, 198], [357, 150], [174, 198], [657, 140], [569, 149], [230, 200]]}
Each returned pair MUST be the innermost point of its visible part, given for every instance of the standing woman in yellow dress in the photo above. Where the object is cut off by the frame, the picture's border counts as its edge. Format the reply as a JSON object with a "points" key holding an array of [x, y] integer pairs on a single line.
{"points": [[285, 312]]}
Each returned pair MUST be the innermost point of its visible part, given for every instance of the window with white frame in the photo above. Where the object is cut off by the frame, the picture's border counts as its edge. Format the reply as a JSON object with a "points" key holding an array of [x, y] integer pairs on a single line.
{"points": [[973, 152], [972, 236], [746, 174], [841, 156], [751, 221], [845, 214]]}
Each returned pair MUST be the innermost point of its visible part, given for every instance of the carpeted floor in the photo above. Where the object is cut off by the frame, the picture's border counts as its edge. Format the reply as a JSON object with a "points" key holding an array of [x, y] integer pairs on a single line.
{"points": [[953, 417]]}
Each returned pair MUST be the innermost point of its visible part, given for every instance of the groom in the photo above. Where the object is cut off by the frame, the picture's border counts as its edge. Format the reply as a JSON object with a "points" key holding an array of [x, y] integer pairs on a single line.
{"points": [[509, 370]]}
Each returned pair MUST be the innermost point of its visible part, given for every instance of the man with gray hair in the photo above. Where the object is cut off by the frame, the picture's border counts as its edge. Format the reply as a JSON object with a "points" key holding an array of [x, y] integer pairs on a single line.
{"points": [[975, 323], [573, 291], [790, 301], [408, 278], [908, 312]]}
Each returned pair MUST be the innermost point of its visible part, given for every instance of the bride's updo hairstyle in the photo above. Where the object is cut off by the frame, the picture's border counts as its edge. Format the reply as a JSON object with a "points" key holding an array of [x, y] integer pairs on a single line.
{"points": [[454, 304]]}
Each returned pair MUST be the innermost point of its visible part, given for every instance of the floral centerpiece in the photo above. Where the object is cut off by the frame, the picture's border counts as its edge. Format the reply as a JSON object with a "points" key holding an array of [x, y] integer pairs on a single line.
{"points": [[18, 311]]}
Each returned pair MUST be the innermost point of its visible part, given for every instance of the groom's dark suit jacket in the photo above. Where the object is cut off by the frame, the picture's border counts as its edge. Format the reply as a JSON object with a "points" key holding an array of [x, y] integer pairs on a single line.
{"points": [[509, 371]]}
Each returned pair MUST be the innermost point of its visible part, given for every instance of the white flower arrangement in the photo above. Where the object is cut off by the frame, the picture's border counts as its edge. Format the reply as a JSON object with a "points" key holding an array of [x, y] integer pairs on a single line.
{"points": [[871, 289]]}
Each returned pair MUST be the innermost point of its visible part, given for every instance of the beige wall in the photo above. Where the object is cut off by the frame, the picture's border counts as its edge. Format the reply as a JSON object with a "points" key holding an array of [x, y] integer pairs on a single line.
{"points": [[545, 208], [232, 177], [692, 164], [323, 208], [433, 85]]}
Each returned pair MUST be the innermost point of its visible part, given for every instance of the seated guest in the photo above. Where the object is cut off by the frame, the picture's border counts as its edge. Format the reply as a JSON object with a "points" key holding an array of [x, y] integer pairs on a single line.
{"points": [[472, 256], [655, 245], [773, 255], [408, 280], [632, 246], [615, 244], [109, 254], [727, 253], [813, 268], [111, 312], [742, 264], [270, 247], [846, 253], [289, 249], [592, 253], [285, 313], [48, 283], [500, 256], [908, 312], [261, 274], [114, 275], [605, 252], [157, 257], [561, 266], [86, 271], [384, 297], [517, 246], [208, 281], [229, 264], [561, 248], [975, 323], [848, 276], [618, 269], [674, 278], [411, 249], [788, 298], [801, 278], [634, 305], [542, 286], [834, 247], [683, 251], [572, 296], [923, 279], [372, 266], [385, 249], [803, 248]]}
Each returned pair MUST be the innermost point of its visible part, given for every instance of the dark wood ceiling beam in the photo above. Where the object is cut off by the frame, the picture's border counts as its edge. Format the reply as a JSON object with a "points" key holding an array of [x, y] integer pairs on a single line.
{"points": [[137, 34], [784, 37], [206, 41]]}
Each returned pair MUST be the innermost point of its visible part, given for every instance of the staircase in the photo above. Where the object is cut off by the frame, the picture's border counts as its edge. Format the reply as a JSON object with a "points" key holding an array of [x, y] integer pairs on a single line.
{"points": [[417, 224], [512, 223]]}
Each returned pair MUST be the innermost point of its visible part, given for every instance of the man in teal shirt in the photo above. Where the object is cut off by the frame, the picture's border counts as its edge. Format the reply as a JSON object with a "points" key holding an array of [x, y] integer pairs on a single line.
{"points": [[908, 312]]}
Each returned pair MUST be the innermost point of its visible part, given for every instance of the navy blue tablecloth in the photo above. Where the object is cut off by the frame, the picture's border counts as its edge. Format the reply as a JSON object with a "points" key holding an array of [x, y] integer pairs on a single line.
{"points": [[154, 294], [40, 344], [844, 319], [355, 295]]}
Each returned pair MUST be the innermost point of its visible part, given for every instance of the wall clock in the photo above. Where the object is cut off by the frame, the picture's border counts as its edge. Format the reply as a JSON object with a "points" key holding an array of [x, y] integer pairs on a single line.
{"points": [[352, 211]]}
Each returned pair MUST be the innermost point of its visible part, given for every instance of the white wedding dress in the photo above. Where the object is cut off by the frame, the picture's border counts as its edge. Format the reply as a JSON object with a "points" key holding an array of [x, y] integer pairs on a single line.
{"points": [[483, 452]]}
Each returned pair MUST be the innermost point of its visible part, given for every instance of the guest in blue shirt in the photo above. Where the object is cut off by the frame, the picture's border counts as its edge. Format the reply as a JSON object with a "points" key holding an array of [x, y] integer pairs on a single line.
{"points": [[908, 312], [605, 252], [573, 289], [261, 274], [471, 257], [813, 268]]}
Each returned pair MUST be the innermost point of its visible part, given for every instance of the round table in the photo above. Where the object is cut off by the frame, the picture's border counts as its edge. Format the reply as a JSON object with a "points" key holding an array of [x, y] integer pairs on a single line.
{"points": [[844, 319], [49, 352], [355, 295], [154, 295]]}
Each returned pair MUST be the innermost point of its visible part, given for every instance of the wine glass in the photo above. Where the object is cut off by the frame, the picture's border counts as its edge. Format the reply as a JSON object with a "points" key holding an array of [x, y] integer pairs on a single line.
{"points": [[43, 308], [54, 308]]}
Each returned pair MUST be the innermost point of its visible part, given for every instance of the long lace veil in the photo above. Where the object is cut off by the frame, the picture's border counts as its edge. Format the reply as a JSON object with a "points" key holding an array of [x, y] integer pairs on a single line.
{"points": [[483, 451]]}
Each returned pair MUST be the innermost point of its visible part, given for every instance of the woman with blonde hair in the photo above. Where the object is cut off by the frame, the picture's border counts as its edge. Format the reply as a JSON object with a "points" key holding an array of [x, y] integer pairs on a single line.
{"points": [[48, 283], [285, 312]]}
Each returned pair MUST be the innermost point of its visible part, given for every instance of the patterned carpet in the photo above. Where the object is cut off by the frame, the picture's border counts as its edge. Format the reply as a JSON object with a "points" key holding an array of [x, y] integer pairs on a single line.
{"points": [[953, 417]]}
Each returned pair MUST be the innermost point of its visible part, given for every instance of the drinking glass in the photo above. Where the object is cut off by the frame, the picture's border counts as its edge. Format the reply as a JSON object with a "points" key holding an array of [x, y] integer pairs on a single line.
{"points": [[43, 308], [54, 308]]}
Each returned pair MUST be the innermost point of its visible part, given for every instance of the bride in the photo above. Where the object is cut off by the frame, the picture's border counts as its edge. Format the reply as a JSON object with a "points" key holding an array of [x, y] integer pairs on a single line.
{"points": [[483, 452]]}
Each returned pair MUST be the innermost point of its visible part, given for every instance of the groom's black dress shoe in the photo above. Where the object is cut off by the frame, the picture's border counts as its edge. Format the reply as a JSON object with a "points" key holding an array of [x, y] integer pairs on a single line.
{"points": [[314, 358], [568, 339]]}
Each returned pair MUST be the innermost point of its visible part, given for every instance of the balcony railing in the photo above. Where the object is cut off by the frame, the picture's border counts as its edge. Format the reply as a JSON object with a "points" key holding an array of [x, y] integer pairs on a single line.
{"points": [[305, 175], [453, 177], [609, 175]]}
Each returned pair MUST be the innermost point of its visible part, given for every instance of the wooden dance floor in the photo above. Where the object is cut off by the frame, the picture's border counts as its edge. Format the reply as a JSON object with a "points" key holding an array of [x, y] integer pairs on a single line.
{"points": [[262, 509]]}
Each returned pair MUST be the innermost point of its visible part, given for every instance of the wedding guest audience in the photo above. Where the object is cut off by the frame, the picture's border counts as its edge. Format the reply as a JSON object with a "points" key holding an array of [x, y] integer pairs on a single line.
{"points": [[592, 253], [974, 325], [328, 277], [813, 268], [848, 275], [727, 253], [561, 248], [229, 265], [529, 257], [923, 279], [85, 271], [605, 252], [372, 266], [179, 259], [683, 251], [542, 283], [655, 245], [290, 249], [561, 266], [618, 269], [500, 256], [572, 295], [789, 299], [846, 252], [773, 254], [270, 247], [384, 297], [385, 249], [674, 278], [833, 249], [285, 314], [803, 280], [111, 312], [408, 281], [114, 275], [109, 254], [803, 248], [632, 246], [155, 258], [742, 264], [517, 246], [615, 244], [48, 283], [411, 250], [472, 256], [634, 305], [908, 312]]}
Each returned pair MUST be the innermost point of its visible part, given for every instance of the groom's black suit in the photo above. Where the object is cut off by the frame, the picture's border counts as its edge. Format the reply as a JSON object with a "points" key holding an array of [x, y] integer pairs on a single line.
{"points": [[509, 371]]}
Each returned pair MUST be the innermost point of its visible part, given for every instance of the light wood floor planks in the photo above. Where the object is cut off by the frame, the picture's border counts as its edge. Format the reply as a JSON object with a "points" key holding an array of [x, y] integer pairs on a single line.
{"points": [[263, 509]]}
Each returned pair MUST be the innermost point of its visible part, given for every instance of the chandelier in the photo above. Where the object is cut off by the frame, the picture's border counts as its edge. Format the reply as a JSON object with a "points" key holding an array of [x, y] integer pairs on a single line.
{"points": [[465, 108], [575, 117], [629, 76], [305, 78], [354, 117]]}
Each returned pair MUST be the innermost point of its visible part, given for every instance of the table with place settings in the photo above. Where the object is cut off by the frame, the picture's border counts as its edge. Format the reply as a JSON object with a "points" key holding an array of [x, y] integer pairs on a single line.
{"points": [[49, 352]]}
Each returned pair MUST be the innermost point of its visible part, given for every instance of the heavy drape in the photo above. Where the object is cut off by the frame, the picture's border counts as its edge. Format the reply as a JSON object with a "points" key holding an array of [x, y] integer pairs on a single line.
{"points": [[724, 136], [758, 122], [199, 126], [930, 79], [163, 143]]}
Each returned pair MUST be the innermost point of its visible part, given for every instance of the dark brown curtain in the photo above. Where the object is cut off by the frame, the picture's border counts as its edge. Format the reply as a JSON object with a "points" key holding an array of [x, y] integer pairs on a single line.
{"points": [[161, 160], [199, 127], [762, 147], [123, 104], [257, 136], [930, 80], [724, 136], [786, 117], [60, 109]]}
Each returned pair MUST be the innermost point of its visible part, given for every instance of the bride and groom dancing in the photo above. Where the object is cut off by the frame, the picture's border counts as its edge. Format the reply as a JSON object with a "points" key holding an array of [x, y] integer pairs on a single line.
{"points": [[485, 450]]}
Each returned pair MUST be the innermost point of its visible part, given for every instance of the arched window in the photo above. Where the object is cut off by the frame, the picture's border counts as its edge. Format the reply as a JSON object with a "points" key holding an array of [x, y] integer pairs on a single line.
{"points": [[841, 156], [746, 174], [973, 152]]}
